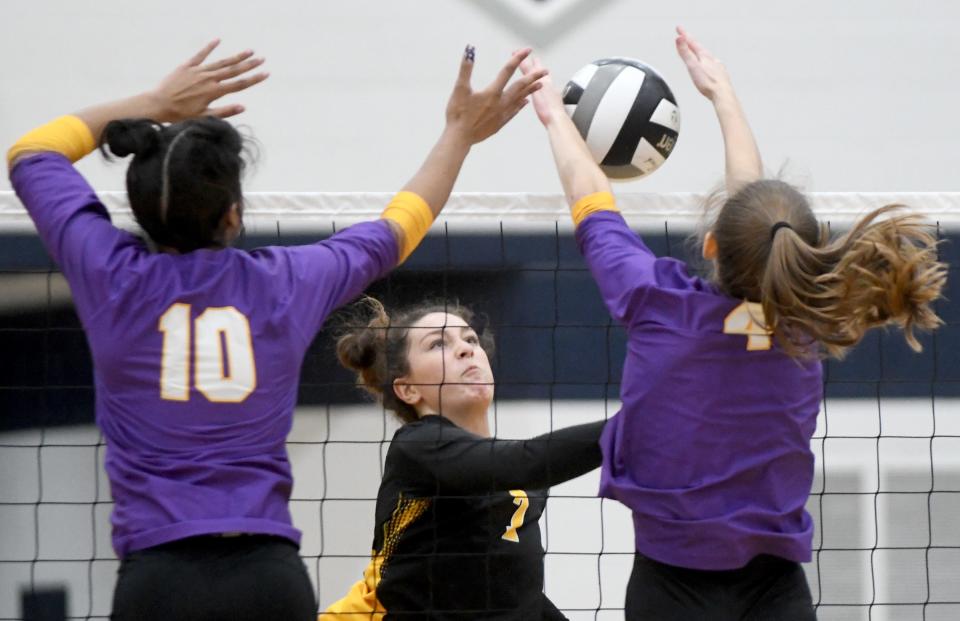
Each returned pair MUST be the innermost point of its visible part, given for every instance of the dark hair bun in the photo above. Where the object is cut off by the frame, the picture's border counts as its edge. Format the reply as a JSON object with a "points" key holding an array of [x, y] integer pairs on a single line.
{"points": [[219, 132], [131, 136], [358, 350]]}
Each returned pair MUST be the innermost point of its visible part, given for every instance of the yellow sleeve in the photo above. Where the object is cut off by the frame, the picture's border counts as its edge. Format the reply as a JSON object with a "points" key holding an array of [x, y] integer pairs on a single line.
{"points": [[592, 203], [414, 217], [361, 603], [67, 135]]}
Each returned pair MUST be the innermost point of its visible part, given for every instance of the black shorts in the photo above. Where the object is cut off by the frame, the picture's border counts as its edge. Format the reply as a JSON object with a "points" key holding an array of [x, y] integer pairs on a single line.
{"points": [[255, 577], [768, 588]]}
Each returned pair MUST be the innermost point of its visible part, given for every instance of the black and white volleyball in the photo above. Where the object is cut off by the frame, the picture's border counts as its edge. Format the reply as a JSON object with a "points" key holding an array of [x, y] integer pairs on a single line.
{"points": [[626, 113]]}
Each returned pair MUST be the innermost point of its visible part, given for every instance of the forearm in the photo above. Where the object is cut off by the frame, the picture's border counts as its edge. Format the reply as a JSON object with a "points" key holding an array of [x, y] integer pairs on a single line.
{"points": [[144, 105], [579, 173], [185, 93], [75, 140], [479, 466], [741, 155], [558, 456], [414, 208], [434, 181], [565, 454]]}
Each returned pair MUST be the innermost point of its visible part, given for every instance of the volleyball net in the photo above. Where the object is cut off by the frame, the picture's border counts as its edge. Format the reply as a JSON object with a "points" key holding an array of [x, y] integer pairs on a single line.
{"points": [[886, 494]]}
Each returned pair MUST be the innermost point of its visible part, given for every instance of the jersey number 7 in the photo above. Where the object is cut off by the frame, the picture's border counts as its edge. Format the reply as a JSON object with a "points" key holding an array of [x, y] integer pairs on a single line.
{"points": [[520, 499], [224, 370]]}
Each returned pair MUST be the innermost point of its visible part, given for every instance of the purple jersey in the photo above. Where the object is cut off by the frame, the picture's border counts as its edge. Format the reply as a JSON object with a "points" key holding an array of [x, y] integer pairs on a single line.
{"points": [[711, 449], [196, 357]]}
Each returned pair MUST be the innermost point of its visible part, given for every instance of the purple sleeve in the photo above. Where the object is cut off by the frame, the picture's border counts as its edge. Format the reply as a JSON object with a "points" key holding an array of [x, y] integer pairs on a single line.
{"points": [[622, 265], [331, 273], [73, 224]]}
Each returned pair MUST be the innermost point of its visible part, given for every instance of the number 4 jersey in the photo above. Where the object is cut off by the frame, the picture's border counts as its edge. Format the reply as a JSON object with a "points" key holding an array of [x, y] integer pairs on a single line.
{"points": [[711, 448], [196, 357]]}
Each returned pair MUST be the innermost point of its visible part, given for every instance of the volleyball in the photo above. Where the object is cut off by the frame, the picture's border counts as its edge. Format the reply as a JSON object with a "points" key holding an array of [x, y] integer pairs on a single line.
{"points": [[626, 113]]}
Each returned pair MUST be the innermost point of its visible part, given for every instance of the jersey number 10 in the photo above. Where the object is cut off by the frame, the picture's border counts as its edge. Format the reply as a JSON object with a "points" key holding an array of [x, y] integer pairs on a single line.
{"points": [[224, 370]]}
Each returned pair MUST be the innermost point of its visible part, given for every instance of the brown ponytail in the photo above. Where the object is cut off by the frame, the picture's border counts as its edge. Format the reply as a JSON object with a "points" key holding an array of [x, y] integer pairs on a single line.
{"points": [[374, 345], [814, 290]]}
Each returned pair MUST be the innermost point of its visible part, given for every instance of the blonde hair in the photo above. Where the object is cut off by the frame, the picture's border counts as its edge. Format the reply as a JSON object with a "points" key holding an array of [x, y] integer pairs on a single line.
{"points": [[814, 290]]}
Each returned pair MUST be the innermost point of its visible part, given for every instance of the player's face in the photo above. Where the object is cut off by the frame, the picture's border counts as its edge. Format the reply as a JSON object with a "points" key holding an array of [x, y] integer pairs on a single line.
{"points": [[448, 367]]}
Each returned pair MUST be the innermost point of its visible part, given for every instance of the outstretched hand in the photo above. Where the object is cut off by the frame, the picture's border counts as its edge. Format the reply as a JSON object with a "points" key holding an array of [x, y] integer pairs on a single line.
{"points": [[742, 157], [576, 166], [708, 74], [547, 102], [480, 114], [192, 87]]}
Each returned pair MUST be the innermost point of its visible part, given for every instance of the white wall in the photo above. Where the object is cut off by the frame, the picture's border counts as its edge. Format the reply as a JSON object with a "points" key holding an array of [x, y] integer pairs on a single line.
{"points": [[859, 95]]}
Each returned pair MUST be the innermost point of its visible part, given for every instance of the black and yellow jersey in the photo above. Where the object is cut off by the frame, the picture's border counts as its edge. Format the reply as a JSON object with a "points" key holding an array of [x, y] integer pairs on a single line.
{"points": [[457, 533]]}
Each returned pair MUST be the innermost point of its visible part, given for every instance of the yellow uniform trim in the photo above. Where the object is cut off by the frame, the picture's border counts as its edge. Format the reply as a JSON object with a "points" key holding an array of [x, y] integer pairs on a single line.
{"points": [[592, 203], [361, 602], [414, 217], [67, 135]]}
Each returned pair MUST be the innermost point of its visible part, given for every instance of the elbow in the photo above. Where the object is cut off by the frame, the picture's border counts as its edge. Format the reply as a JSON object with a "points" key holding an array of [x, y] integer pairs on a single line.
{"points": [[19, 153], [68, 135], [584, 185], [14, 157]]}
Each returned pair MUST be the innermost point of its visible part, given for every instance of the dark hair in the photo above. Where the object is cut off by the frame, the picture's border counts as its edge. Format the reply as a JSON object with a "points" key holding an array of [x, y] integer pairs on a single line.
{"points": [[376, 347], [814, 290], [183, 178]]}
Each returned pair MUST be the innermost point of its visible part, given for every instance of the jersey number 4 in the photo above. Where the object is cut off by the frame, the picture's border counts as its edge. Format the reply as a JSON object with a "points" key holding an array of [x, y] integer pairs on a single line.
{"points": [[223, 367], [747, 318]]}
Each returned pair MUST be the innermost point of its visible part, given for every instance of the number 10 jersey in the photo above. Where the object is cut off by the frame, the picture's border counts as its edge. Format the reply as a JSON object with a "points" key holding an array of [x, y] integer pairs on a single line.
{"points": [[196, 357]]}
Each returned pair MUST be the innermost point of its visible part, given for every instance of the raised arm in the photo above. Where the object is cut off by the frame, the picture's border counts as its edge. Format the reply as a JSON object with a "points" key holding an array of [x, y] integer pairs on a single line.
{"points": [[72, 223], [339, 269], [454, 461], [185, 93], [621, 265], [743, 163], [579, 173], [471, 117]]}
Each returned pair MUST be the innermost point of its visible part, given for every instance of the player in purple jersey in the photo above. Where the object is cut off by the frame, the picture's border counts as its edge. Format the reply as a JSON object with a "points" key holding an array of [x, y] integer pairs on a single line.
{"points": [[197, 348], [722, 379], [457, 532]]}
